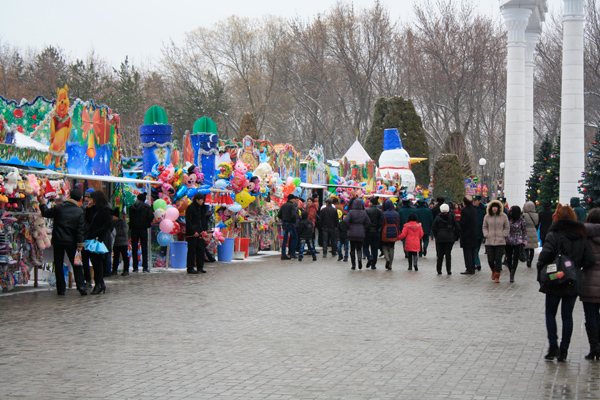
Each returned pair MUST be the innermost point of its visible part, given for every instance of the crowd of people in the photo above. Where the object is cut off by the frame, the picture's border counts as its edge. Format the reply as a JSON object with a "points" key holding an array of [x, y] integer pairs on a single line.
{"points": [[567, 267]]}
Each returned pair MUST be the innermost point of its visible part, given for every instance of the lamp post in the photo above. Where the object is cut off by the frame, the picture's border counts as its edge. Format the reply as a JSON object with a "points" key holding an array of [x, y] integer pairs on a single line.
{"points": [[502, 177], [482, 162]]}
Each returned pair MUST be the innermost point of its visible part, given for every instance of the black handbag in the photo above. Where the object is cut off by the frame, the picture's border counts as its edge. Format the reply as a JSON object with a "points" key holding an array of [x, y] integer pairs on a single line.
{"points": [[559, 274], [523, 256]]}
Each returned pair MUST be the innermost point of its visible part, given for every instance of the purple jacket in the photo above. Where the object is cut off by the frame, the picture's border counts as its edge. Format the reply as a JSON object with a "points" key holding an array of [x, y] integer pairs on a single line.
{"points": [[357, 220]]}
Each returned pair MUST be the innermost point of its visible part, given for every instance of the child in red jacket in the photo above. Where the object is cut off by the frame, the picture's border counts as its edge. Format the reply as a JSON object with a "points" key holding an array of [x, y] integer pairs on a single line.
{"points": [[413, 233]]}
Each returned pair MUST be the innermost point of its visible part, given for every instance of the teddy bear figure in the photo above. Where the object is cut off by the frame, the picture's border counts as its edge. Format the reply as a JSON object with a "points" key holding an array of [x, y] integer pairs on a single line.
{"points": [[41, 233]]}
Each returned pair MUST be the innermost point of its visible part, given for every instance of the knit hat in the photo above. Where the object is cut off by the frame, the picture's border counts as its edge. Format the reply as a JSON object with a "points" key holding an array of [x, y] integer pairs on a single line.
{"points": [[444, 208], [141, 196], [291, 197], [374, 200]]}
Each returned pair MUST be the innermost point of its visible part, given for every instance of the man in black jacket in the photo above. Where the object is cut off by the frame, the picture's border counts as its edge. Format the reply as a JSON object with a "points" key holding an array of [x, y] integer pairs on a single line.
{"points": [[288, 213], [330, 224], [372, 234], [196, 223], [468, 234], [140, 219], [68, 236]]}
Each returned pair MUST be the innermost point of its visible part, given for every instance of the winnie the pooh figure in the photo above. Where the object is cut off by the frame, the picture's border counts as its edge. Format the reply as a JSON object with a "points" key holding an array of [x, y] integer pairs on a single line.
{"points": [[60, 128]]}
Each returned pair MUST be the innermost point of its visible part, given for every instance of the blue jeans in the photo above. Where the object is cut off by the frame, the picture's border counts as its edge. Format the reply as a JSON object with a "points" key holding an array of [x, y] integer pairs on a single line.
{"points": [[289, 229], [311, 248], [592, 313], [345, 243], [371, 246], [566, 313]]}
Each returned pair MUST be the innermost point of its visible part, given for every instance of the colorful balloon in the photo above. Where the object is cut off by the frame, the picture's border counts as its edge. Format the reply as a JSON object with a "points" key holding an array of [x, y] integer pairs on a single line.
{"points": [[159, 214], [181, 192], [163, 238], [297, 181], [172, 213], [160, 204], [166, 225]]}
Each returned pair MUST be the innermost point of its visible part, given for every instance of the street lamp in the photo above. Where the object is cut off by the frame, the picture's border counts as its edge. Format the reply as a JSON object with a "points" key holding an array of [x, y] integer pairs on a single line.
{"points": [[502, 177], [482, 162]]}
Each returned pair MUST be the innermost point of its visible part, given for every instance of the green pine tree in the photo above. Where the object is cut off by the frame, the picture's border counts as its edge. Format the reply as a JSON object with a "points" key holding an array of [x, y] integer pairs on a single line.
{"points": [[590, 184], [540, 166], [448, 181], [549, 180], [400, 113], [247, 127]]}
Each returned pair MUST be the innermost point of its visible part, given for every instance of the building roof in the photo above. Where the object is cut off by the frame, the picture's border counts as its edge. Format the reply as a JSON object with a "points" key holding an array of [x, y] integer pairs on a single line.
{"points": [[357, 153]]}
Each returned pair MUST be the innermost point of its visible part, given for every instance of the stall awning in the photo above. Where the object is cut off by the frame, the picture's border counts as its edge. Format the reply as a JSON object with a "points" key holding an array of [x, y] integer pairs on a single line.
{"points": [[312, 186], [114, 179]]}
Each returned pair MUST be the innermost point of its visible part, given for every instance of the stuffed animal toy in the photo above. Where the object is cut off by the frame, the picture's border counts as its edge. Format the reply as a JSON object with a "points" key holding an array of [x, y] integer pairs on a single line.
{"points": [[11, 182], [167, 174], [41, 233], [263, 170], [244, 198], [240, 168], [32, 186]]}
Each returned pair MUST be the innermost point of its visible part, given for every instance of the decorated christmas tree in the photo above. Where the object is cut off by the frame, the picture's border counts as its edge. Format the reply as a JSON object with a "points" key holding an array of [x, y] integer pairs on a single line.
{"points": [[549, 184], [540, 166], [590, 184]]}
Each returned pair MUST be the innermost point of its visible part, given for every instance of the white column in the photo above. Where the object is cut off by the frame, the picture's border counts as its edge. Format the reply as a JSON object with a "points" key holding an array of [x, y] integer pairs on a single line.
{"points": [[531, 39], [516, 173], [572, 157]]}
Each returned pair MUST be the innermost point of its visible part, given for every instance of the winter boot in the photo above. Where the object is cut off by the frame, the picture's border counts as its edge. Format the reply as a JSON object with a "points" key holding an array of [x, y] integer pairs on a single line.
{"points": [[562, 355], [552, 353], [410, 263], [592, 334], [512, 275], [415, 262]]}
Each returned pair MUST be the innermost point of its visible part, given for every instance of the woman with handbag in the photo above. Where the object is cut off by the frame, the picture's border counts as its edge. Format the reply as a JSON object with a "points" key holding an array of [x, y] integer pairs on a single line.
{"points": [[98, 229], [516, 240], [565, 243], [532, 221], [591, 283]]}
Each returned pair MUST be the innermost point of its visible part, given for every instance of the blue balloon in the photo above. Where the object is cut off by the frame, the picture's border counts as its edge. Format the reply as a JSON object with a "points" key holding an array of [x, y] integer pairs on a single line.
{"points": [[204, 189], [297, 191], [163, 238], [248, 175], [181, 192], [235, 207]]}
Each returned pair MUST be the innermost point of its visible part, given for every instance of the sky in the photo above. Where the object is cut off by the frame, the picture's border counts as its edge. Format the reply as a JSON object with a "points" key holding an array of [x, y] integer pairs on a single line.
{"points": [[113, 29]]}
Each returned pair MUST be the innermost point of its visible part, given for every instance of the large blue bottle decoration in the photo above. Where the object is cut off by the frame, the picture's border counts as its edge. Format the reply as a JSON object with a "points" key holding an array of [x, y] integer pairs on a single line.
{"points": [[156, 135], [204, 143]]}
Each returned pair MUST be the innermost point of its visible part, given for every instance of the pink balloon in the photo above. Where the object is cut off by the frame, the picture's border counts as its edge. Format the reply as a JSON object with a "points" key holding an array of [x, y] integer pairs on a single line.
{"points": [[172, 213], [166, 225], [290, 180]]}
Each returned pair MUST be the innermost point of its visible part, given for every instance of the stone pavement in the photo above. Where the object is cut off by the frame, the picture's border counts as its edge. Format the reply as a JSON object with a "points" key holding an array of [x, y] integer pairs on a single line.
{"points": [[272, 329]]}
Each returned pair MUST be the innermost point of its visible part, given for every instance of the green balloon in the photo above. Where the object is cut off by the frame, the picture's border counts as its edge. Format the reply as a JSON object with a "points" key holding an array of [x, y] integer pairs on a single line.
{"points": [[297, 182], [160, 204]]}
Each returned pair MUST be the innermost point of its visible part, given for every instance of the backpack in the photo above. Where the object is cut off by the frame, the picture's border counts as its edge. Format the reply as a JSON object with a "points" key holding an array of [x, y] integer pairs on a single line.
{"points": [[389, 232]]}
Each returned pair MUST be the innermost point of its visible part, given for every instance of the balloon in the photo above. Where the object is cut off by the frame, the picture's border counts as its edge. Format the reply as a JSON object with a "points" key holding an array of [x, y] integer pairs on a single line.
{"points": [[176, 229], [159, 214], [221, 184], [163, 238], [204, 189], [248, 175], [181, 192], [297, 191], [172, 213], [290, 180], [166, 225], [160, 204], [235, 207], [297, 181]]}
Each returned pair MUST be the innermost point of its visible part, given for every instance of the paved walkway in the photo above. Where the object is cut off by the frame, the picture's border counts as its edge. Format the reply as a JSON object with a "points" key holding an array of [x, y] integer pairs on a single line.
{"points": [[271, 329]]}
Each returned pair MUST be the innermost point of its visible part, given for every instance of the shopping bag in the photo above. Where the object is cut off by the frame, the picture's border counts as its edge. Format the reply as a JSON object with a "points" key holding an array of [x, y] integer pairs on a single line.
{"points": [[94, 246]]}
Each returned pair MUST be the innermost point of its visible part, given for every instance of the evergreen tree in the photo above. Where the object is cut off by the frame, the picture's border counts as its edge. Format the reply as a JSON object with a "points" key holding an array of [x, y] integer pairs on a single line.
{"points": [[448, 181], [247, 127], [400, 113], [590, 184], [549, 185], [540, 166], [455, 144]]}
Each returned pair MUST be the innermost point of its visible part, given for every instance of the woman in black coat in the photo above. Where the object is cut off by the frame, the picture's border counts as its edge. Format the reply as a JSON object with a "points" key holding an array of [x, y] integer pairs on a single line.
{"points": [[446, 229], [357, 221], [99, 228], [566, 236]]}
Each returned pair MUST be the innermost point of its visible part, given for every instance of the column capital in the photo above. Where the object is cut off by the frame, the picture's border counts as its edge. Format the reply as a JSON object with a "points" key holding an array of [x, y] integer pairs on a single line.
{"points": [[531, 39], [516, 20], [574, 10]]}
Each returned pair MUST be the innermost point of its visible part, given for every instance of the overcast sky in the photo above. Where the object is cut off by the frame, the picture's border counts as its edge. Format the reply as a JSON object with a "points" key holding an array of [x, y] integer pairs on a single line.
{"points": [[138, 28]]}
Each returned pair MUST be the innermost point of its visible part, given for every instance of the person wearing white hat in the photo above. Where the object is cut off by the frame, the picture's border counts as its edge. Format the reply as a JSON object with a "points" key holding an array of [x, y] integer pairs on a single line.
{"points": [[446, 230]]}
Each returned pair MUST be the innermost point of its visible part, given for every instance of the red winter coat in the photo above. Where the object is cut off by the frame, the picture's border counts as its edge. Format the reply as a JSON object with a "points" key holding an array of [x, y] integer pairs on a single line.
{"points": [[413, 233]]}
